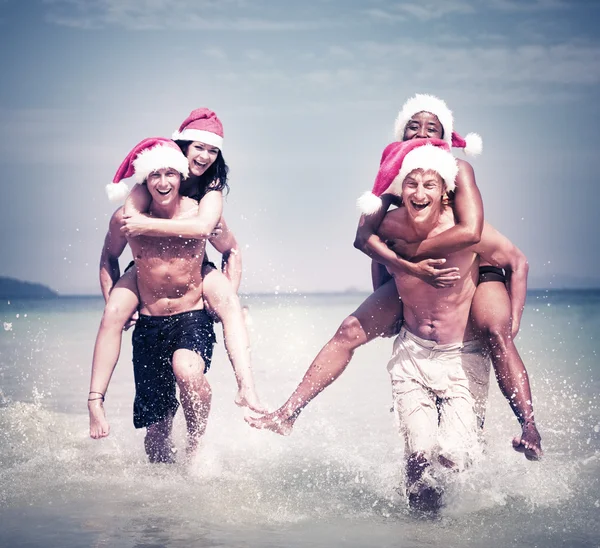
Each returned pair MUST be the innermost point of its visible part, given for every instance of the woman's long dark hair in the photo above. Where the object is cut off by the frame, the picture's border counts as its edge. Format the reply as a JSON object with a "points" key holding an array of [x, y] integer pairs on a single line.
{"points": [[215, 177]]}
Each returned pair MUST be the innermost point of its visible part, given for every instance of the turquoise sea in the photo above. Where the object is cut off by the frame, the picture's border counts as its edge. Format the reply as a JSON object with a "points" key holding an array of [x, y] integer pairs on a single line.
{"points": [[332, 483]]}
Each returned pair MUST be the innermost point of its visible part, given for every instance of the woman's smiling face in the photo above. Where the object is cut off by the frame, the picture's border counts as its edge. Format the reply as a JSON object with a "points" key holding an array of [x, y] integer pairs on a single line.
{"points": [[200, 157]]}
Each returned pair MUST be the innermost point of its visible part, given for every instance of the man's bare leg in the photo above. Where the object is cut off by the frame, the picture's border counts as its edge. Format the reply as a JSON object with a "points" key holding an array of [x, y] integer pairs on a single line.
{"points": [[373, 317], [224, 302], [158, 442], [122, 303], [421, 495], [491, 313], [195, 393]]}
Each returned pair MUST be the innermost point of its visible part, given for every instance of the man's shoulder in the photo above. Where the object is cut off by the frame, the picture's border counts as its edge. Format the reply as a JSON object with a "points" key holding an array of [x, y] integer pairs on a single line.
{"points": [[117, 217]]}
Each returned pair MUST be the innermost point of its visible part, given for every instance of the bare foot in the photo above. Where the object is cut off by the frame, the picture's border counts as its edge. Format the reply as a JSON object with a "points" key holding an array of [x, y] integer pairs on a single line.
{"points": [[274, 422], [529, 443], [249, 399], [99, 427]]}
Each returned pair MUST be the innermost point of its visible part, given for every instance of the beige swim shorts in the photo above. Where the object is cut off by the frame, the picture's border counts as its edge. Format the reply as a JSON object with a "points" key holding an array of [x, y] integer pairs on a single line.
{"points": [[440, 394]]}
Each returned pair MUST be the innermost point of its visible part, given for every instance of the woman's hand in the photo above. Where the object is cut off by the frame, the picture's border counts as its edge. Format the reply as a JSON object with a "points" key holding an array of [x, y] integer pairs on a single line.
{"points": [[430, 272], [134, 225]]}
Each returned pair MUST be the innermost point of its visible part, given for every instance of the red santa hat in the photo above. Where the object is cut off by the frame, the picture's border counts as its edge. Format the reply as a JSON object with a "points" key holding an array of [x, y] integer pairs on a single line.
{"points": [[402, 157], [472, 143], [147, 156], [201, 125]]}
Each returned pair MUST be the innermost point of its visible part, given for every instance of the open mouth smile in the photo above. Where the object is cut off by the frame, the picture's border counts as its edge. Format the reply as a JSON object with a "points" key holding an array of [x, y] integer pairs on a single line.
{"points": [[419, 207]]}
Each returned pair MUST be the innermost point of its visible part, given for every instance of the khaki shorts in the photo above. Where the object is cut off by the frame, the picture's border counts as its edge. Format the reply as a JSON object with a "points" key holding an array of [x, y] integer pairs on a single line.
{"points": [[440, 394]]}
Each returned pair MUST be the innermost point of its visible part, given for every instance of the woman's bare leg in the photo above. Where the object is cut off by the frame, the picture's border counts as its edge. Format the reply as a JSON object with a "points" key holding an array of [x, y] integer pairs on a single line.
{"points": [[195, 393], [222, 301], [371, 319], [122, 303], [491, 313]]}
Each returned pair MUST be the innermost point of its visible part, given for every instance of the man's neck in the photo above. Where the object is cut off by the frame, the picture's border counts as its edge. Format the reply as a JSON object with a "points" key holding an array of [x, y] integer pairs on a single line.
{"points": [[424, 229], [165, 212]]}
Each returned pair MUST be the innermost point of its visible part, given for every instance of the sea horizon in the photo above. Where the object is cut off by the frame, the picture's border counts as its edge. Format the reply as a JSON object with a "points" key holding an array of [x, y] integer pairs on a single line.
{"points": [[305, 293]]}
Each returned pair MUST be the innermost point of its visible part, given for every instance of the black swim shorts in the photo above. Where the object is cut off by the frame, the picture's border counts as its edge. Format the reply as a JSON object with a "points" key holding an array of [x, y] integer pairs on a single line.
{"points": [[154, 341], [491, 274]]}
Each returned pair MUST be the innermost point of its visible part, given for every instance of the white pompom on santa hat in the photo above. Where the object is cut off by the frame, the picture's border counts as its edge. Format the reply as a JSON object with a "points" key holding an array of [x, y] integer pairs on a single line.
{"points": [[149, 155], [472, 144]]}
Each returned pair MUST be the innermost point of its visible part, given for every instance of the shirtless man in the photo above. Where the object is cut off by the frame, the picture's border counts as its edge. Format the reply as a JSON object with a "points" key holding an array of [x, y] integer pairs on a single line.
{"points": [[173, 338], [439, 372]]}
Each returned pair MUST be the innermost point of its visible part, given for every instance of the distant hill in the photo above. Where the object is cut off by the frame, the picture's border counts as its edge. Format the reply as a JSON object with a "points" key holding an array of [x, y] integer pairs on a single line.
{"points": [[10, 288]]}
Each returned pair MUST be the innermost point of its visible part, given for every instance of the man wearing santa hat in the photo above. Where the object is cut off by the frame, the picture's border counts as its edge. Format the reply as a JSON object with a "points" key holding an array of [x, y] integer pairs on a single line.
{"points": [[496, 314], [439, 370], [173, 337]]}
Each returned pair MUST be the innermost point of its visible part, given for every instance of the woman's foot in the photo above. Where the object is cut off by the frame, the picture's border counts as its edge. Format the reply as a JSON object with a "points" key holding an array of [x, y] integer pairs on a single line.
{"points": [[275, 422], [248, 398], [99, 427]]}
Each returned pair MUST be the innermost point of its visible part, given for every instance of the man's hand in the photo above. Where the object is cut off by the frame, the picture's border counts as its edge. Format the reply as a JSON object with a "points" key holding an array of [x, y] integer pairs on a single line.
{"points": [[131, 322], [429, 271], [529, 443], [217, 231], [514, 331]]}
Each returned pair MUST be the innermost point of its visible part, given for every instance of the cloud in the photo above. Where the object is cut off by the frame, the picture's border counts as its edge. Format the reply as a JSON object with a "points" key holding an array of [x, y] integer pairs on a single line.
{"points": [[427, 10], [529, 5], [259, 15], [433, 9]]}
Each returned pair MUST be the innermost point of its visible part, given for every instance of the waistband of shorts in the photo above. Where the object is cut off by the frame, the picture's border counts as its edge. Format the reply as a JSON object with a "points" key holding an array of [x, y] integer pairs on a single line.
{"points": [[465, 346], [148, 319]]}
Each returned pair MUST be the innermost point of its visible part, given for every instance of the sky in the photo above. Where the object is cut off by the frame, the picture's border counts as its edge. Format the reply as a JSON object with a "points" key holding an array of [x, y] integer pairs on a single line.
{"points": [[308, 93]]}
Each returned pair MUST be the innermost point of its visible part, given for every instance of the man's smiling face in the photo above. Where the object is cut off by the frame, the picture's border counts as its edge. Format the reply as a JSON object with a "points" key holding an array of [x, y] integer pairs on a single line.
{"points": [[163, 185], [422, 192]]}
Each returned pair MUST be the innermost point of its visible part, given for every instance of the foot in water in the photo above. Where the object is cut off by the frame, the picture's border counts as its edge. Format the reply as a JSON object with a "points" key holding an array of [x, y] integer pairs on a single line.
{"points": [[427, 499], [99, 427], [249, 399], [161, 453], [158, 444], [423, 491], [274, 422]]}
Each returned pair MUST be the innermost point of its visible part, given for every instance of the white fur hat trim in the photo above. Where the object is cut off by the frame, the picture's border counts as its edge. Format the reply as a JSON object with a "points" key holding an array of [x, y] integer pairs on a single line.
{"points": [[159, 157], [428, 157], [426, 103]]}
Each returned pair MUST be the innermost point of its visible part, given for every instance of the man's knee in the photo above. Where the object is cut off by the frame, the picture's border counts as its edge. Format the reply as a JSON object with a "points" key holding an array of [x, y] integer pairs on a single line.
{"points": [[188, 367]]}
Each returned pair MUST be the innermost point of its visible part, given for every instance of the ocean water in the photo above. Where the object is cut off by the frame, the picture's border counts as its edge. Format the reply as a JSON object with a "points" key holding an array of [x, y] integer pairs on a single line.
{"points": [[333, 482]]}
